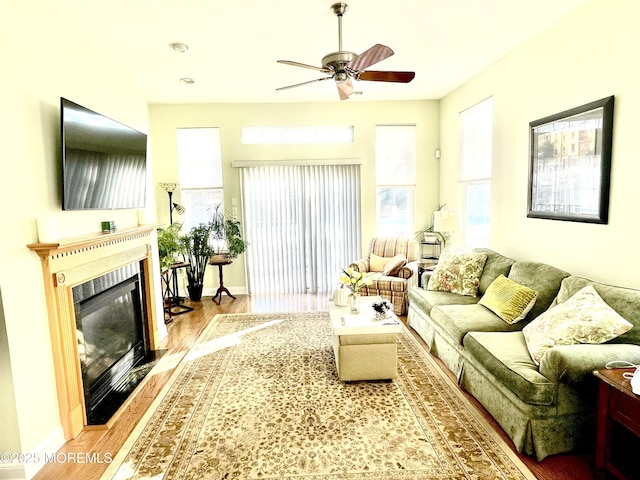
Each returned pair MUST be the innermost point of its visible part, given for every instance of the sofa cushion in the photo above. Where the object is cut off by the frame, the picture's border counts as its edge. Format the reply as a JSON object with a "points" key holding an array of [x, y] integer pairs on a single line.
{"points": [[425, 300], [495, 266], [625, 301], [508, 299], [583, 318], [458, 320], [458, 273], [505, 356], [540, 277]]}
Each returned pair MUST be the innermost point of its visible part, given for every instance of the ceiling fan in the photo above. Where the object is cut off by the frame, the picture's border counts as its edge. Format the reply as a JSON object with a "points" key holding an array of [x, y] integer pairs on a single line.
{"points": [[344, 66]]}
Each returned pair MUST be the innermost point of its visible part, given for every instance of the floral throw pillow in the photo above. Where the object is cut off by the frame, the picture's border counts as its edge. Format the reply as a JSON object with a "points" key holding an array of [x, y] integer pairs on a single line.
{"points": [[458, 273], [583, 318]]}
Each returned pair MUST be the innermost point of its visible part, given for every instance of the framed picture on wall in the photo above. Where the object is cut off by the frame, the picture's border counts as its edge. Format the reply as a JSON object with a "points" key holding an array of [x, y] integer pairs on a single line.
{"points": [[570, 164]]}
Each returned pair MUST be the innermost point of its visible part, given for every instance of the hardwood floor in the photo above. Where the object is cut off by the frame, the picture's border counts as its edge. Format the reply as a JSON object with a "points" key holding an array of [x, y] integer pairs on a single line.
{"points": [[184, 330]]}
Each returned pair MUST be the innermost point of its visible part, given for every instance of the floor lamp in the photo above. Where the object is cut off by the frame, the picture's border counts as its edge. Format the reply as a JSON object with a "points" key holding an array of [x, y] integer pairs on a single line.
{"points": [[170, 188], [176, 300]]}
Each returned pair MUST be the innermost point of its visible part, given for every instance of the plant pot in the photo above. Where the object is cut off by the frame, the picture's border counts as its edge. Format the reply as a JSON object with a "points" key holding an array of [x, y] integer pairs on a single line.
{"points": [[195, 292], [218, 258]]}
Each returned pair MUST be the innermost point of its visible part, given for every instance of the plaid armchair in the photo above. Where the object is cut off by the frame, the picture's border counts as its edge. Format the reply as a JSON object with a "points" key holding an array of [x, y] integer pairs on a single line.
{"points": [[393, 286]]}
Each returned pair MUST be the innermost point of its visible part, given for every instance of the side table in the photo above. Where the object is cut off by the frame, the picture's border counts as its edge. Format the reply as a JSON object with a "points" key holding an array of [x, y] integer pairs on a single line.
{"points": [[221, 288], [618, 425], [171, 299]]}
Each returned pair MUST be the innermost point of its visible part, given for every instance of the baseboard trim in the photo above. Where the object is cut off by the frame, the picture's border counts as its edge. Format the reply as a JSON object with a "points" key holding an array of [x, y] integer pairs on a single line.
{"points": [[12, 471]]}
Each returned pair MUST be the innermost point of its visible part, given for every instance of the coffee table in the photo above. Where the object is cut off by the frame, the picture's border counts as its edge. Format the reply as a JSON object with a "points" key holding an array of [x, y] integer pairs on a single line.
{"points": [[364, 348]]}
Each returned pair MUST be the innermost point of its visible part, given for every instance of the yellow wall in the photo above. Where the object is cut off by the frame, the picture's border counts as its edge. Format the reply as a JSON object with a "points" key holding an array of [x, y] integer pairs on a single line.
{"points": [[588, 55], [165, 119], [44, 60]]}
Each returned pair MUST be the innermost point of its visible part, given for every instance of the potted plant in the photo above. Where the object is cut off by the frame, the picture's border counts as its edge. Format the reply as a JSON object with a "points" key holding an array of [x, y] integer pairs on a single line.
{"points": [[197, 250], [226, 235], [169, 245]]}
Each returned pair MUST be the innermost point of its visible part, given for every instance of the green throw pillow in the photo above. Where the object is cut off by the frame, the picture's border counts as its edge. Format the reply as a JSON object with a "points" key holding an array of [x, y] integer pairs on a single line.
{"points": [[508, 299]]}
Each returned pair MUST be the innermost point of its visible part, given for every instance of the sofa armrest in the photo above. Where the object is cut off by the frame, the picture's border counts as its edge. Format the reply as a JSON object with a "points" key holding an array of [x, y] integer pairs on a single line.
{"points": [[574, 363], [361, 265]]}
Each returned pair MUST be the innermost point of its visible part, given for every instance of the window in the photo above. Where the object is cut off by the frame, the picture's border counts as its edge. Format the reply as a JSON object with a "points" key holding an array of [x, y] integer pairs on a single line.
{"points": [[395, 151], [476, 151], [275, 135], [200, 173]]}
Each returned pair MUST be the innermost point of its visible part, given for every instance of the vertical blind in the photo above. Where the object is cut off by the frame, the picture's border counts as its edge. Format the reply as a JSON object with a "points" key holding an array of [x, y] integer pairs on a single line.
{"points": [[302, 224]]}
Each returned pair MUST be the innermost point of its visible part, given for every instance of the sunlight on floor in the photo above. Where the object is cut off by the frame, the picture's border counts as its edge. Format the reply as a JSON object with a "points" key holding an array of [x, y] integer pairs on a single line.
{"points": [[262, 302], [230, 340]]}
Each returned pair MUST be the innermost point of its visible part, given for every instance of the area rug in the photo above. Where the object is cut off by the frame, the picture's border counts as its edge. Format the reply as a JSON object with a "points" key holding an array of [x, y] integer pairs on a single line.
{"points": [[258, 397]]}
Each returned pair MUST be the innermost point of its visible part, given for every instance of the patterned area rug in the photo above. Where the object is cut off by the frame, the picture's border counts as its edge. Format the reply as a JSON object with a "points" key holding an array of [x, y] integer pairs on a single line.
{"points": [[258, 397]]}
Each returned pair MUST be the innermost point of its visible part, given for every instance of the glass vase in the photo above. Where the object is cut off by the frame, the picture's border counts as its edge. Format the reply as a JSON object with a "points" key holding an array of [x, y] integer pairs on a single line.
{"points": [[354, 302]]}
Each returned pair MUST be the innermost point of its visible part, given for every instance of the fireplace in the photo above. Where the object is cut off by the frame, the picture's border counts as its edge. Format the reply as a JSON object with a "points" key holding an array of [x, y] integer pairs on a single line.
{"points": [[113, 343], [100, 352]]}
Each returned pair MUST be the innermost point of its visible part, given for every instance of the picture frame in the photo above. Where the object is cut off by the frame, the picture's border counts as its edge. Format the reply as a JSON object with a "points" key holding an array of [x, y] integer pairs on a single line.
{"points": [[570, 164]]}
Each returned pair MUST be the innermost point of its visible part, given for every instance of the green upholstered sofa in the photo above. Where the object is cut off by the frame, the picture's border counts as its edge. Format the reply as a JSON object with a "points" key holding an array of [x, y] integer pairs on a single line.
{"points": [[545, 409]]}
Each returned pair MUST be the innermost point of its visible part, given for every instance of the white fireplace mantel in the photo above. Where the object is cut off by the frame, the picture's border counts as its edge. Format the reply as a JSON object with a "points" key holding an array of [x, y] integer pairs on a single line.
{"points": [[73, 261]]}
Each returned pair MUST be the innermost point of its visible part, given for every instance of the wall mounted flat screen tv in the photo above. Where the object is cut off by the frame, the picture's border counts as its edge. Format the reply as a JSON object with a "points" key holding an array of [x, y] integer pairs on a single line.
{"points": [[104, 162]]}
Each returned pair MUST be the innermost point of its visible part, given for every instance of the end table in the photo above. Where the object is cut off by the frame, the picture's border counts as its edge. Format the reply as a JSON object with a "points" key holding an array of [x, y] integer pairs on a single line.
{"points": [[618, 425], [221, 288]]}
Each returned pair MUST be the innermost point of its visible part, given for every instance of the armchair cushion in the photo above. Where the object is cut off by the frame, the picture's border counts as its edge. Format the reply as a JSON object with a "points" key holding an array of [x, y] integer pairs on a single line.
{"points": [[388, 266], [377, 263], [394, 264]]}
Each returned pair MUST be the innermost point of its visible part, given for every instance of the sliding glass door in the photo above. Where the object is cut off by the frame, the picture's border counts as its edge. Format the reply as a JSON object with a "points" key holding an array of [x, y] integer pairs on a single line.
{"points": [[302, 224]]}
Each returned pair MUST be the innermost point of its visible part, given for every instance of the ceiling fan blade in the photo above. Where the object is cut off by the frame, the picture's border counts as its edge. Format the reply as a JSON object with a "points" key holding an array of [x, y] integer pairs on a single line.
{"points": [[345, 89], [381, 76], [304, 65], [304, 83], [375, 54]]}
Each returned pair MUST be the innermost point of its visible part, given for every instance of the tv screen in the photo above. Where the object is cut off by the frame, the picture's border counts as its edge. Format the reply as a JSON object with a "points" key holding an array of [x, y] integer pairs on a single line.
{"points": [[104, 162]]}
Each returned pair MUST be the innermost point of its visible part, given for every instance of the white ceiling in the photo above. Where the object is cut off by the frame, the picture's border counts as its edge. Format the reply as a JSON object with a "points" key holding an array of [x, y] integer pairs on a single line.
{"points": [[234, 45]]}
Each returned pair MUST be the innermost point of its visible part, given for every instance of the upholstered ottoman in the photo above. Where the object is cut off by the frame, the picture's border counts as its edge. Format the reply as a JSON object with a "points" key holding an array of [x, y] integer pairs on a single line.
{"points": [[364, 348]]}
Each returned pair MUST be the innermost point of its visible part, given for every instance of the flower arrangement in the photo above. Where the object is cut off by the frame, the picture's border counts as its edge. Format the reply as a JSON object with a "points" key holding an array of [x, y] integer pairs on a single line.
{"points": [[354, 280], [381, 307]]}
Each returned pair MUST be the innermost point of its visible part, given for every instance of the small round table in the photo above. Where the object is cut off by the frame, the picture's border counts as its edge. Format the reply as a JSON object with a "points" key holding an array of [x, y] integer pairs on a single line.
{"points": [[221, 288]]}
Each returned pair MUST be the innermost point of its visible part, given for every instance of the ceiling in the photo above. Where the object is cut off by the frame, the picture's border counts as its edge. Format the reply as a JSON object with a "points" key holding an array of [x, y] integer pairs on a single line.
{"points": [[234, 45]]}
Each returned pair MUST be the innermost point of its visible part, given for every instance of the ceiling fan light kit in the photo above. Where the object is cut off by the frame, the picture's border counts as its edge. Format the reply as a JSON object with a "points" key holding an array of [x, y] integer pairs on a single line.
{"points": [[343, 66]]}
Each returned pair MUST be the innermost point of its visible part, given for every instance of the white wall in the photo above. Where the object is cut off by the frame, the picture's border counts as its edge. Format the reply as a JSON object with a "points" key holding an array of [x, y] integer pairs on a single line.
{"points": [[364, 116], [589, 54], [43, 59]]}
